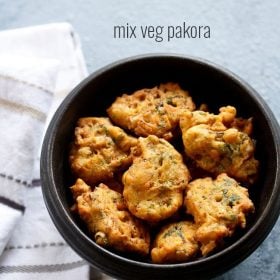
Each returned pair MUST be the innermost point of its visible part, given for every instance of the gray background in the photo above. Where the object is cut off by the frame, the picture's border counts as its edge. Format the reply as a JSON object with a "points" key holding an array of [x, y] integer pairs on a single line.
{"points": [[245, 38]]}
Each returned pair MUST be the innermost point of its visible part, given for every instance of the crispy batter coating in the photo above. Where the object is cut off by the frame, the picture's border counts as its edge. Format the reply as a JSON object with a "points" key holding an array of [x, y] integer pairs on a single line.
{"points": [[219, 206], [100, 149], [217, 147], [228, 151], [154, 183], [106, 216], [224, 120], [175, 243], [153, 111]]}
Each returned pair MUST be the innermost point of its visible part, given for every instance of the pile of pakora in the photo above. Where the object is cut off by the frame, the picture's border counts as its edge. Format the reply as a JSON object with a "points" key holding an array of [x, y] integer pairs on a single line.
{"points": [[160, 179]]}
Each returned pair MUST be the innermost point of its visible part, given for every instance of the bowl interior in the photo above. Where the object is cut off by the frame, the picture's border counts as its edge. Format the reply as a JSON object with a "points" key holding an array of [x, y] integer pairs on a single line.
{"points": [[206, 84]]}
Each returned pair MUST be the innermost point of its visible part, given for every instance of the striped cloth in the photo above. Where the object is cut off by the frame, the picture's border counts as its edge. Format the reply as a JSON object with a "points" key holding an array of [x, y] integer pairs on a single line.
{"points": [[38, 67]]}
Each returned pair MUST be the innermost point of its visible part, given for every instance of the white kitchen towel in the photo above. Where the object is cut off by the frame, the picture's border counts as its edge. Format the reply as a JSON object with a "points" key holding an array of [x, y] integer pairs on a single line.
{"points": [[23, 111], [37, 65]]}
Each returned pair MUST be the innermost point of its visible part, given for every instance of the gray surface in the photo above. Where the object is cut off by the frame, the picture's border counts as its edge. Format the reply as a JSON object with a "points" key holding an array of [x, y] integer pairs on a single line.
{"points": [[245, 38]]}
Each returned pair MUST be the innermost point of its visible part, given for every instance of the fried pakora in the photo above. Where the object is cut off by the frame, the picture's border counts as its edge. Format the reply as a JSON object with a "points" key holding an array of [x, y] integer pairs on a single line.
{"points": [[154, 183], [99, 150], [222, 121], [140, 186], [175, 243], [218, 206], [154, 111], [217, 146], [108, 220]]}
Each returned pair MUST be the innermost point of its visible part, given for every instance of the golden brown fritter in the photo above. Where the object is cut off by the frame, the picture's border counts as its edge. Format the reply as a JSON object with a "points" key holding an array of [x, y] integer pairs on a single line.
{"points": [[224, 120], [100, 149], [153, 111], [175, 243], [228, 151], [219, 206], [217, 147], [106, 216], [154, 183]]}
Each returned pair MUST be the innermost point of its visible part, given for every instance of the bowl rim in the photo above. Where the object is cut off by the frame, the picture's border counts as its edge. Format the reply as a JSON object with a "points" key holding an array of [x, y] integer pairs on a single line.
{"points": [[65, 223]]}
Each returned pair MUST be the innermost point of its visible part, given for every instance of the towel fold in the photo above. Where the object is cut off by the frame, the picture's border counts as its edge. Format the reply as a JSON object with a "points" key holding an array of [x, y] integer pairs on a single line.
{"points": [[38, 67]]}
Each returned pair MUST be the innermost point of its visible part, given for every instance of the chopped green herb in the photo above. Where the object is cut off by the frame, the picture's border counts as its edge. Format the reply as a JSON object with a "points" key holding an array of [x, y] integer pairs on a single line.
{"points": [[232, 199]]}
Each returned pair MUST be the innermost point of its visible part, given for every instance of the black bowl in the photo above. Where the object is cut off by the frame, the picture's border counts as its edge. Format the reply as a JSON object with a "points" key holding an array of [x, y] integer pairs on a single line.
{"points": [[207, 83]]}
